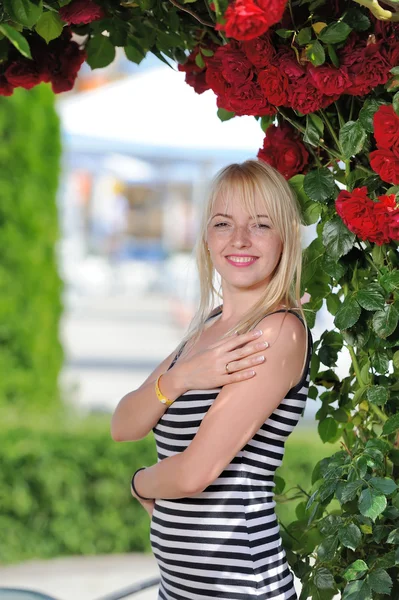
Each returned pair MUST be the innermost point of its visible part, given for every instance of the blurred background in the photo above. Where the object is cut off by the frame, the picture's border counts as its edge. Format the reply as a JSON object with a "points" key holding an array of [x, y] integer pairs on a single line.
{"points": [[100, 196]]}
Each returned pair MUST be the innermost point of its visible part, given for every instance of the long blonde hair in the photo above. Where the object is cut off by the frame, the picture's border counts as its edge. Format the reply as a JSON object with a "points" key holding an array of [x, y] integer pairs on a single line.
{"points": [[251, 179]]}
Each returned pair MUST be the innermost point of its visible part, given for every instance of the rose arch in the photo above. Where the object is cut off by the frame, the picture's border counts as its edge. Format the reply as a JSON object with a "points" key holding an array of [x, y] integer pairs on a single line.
{"points": [[322, 79]]}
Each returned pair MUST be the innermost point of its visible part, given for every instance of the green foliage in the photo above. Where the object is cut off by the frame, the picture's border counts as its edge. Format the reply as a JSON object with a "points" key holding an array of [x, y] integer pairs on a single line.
{"points": [[65, 489], [30, 288]]}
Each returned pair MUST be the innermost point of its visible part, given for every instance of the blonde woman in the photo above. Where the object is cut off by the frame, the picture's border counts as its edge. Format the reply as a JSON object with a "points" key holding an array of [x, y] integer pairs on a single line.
{"points": [[222, 409]]}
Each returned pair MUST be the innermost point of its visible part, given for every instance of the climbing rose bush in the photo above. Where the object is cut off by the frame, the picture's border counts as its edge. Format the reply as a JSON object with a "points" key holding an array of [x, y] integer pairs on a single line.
{"points": [[321, 77]]}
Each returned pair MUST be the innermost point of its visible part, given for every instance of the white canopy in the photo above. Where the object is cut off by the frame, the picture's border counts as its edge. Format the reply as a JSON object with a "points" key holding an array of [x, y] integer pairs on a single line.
{"points": [[155, 113]]}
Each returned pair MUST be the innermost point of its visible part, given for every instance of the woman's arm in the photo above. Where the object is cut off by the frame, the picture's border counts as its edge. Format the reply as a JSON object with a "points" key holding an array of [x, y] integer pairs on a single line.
{"points": [[139, 411], [235, 416]]}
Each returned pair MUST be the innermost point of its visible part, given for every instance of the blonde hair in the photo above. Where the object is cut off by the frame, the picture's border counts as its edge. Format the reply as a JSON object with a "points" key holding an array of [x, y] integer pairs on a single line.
{"points": [[252, 179]]}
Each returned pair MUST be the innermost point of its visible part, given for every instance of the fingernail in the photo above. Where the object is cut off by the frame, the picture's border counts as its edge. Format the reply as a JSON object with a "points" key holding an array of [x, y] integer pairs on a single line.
{"points": [[266, 344], [258, 332]]}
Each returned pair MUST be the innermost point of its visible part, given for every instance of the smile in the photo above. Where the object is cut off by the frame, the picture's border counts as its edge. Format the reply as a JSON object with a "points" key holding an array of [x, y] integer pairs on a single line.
{"points": [[241, 261]]}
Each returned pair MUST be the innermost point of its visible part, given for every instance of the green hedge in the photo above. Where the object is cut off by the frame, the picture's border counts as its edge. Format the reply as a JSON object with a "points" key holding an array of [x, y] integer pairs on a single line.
{"points": [[30, 287], [64, 489]]}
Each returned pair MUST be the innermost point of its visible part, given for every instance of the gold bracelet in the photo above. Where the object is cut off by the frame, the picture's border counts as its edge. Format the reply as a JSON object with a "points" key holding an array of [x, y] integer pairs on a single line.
{"points": [[160, 395]]}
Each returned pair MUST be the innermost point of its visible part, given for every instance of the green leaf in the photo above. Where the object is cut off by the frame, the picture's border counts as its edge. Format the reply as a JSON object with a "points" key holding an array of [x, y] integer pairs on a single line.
{"points": [[333, 55], [393, 537], [49, 26], [284, 33], [355, 570], [25, 12], [327, 549], [199, 61], [207, 52], [391, 425], [380, 362], [385, 321], [265, 121], [225, 115], [383, 484], [380, 581], [357, 19], [372, 297], [395, 359], [357, 590], [315, 53], [351, 138], [333, 267], [337, 238], [304, 36], [319, 184], [372, 503], [335, 33], [17, 39], [395, 103], [134, 54], [327, 429], [367, 112], [348, 313], [349, 491], [350, 536], [314, 129], [100, 52], [280, 484], [324, 579], [390, 281], [377, 394]]}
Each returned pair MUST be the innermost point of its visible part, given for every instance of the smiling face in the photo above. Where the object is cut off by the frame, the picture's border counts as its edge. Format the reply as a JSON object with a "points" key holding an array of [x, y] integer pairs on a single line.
{"points": [[244, 250]]}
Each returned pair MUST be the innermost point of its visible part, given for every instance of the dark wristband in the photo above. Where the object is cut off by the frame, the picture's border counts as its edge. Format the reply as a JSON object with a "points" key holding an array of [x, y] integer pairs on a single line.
{"points": [[134, 489]]}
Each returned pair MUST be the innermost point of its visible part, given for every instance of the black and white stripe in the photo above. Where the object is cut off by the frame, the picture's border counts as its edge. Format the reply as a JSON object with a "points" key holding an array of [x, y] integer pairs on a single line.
{"points": [[225, 541]]}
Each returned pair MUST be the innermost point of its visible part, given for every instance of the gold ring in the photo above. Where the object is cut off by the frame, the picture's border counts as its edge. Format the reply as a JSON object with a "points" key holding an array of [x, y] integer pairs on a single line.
{"points": [[227, 368]]}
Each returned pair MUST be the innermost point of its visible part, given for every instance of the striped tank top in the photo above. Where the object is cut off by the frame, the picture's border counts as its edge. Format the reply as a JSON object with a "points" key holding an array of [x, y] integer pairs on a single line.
{"points": [[225, 541]]}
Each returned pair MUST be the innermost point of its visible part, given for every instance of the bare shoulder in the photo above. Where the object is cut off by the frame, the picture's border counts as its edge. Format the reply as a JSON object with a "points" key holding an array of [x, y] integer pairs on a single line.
{"points": [[283, 326]]}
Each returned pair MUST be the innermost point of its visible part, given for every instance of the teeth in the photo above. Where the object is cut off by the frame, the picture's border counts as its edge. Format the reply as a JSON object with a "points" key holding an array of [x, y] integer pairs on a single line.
{"points": [[241, 260]]}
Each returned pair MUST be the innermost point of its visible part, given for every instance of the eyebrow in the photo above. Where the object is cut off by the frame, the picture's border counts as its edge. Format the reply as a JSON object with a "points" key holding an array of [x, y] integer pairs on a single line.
{"points": [[230, 216]]}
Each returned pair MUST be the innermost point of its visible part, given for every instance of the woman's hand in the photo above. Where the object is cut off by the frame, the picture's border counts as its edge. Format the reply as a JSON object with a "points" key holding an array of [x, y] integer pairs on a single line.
{"points": [[206, 369]]}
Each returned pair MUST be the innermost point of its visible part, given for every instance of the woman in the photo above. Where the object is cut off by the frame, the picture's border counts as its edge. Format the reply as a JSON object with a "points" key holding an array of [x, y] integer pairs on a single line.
{"points": [[234, 392]]}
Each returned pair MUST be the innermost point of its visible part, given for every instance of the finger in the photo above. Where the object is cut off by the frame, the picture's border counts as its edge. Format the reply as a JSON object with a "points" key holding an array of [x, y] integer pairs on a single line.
{"points": [[246, 363], [247, 350], [241, 376], [234, 341]]}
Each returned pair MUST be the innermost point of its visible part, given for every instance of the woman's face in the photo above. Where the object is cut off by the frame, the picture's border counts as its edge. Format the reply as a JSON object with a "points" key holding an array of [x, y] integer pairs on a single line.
{"points": [[244, 252]]}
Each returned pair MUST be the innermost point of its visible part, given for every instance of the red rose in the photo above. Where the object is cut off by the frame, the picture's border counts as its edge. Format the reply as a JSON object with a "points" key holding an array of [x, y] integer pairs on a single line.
{"points": [[286, 61], [329, 80], [274, 85], [386, 164], [214, 73], [24, 73], [394, 226], [259, 51], [386, 128], [247, 99], [365, 64], [6, 89], [195, 75], [359, 215], [303, 96], [389, 202], [236, 67], [284, 150], [80, 12], [244, 20]]}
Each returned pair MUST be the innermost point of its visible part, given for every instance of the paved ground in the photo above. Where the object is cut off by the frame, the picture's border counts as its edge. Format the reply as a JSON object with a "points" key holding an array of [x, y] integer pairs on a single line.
{"points": [[85, 578]]}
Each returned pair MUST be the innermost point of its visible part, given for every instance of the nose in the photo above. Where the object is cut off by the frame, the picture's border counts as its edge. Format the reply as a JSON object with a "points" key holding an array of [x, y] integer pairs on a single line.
{"points": [[241, 237]]}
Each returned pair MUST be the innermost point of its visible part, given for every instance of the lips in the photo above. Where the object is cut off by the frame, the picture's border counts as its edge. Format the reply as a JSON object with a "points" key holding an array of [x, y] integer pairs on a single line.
{"points": [[241, 260]]}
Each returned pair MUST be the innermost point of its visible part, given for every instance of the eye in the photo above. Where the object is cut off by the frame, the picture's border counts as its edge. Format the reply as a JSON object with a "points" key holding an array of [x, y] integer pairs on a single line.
{"points": [[221, 224], [262, 225]]}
